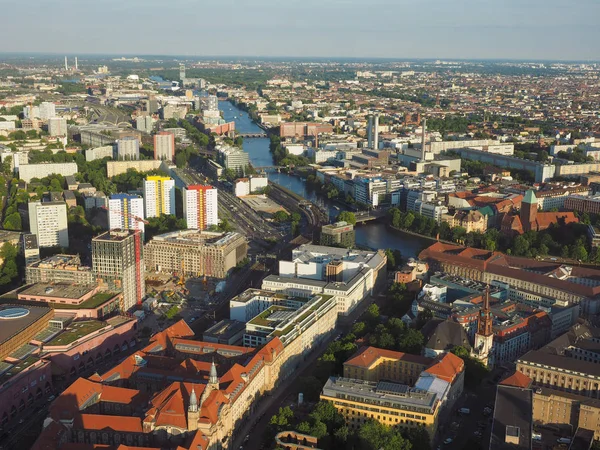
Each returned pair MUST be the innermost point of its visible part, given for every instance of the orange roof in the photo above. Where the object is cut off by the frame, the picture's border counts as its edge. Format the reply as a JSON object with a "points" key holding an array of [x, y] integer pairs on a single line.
{"points": [[200, 442], [211, 407], [367, 356], [81, 391], [517, 379], [271, 349], [446, 367], [100, 422]]}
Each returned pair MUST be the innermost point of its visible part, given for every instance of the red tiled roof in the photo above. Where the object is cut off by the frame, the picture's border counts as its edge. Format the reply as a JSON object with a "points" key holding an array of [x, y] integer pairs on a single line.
{"points": [[446, 367], [68, 404], [517, 379], [100, 422], [211, 406], [366, 356]]}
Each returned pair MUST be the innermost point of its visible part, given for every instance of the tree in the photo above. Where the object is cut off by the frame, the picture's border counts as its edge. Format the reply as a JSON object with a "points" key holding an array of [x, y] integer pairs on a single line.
{"points": [[282, 419], [281, 217], [394, 258], [13, 222], [411, 341], [359, 329], [229, 174], [347, 216], [376, 436]]}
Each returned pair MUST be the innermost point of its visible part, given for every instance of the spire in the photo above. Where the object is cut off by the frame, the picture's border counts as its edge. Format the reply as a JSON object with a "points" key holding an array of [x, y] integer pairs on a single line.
{"points": [[486, 299], [193, 401], [485, 323], [213, 378]]}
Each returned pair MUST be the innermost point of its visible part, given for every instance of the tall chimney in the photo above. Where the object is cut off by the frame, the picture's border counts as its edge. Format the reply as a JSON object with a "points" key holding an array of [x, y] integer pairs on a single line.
{"points": [[76, 67], [376, 132], [423, 139], [66, 64]]}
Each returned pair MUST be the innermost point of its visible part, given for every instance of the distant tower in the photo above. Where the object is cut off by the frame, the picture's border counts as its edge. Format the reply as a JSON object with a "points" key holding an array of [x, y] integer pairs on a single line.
{"points": [[484, 338], [66, 64], [76, 66], [370, 131], [181, 72], [376, 132], [423, 139], [529, 207], [193, 412]]}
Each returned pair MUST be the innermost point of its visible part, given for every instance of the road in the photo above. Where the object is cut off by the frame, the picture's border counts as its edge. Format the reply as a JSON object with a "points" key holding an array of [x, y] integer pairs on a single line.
{"points": [[476, 400]]}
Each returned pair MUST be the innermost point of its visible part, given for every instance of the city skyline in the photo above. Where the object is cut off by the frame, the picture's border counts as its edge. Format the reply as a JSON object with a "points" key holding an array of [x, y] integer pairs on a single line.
{"points": [[339, 28]]}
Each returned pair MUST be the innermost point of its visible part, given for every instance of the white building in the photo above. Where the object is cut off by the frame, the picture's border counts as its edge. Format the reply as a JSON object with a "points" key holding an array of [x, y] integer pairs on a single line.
{"points": [[47, 110], [128, 148], [200, 206], [251, 185], [164, 146], [126, 212], [48, 221], [349, 275], [144, 123], [159, 196], [106, 151], [252, 302], [241, 187], [57, 126], [27, 172]]}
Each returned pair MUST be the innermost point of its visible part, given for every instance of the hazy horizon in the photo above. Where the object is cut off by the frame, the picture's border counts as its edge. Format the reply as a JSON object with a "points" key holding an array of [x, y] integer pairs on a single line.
{"points": [[527, 30]]}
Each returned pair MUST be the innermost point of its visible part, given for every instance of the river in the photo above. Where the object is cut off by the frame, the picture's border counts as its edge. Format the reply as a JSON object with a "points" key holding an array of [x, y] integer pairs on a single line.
{"points": [[374, 235]]}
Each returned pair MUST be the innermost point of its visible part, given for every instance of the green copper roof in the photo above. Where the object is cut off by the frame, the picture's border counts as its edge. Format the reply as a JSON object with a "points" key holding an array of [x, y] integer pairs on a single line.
{"points": [[530, 197], [487, 211]]}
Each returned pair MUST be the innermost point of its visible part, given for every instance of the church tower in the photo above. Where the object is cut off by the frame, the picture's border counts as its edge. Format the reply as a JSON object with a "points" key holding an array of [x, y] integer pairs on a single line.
{"points": [[484, 338], [193, 413], [529, 208]]}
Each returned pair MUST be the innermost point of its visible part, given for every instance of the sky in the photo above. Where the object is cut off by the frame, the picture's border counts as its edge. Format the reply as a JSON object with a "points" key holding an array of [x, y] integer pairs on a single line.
{"points": [[477, 29]]}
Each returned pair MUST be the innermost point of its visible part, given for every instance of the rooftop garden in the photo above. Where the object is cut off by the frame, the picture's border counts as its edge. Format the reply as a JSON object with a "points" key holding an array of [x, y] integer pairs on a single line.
{"points": [[95, 301], [76, 331]]}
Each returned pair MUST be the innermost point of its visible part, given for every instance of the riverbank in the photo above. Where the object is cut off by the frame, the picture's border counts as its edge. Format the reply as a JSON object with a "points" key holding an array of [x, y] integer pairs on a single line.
{"points": [[373, 235]]}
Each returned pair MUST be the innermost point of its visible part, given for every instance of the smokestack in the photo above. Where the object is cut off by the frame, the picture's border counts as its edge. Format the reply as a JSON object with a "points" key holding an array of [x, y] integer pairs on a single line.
{"points": [[76, 67], [376, 132], [423, 139], [66, 64], [370, 131]]}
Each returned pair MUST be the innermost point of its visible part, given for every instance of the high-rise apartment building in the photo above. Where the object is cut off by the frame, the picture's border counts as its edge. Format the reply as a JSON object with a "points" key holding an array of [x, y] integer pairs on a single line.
{"points": [[144, 123], [200, 206], [159, 196], [48, 221], [126, 212], [164, 146], [57, 126], [128, 148], [47, 110], [118, 264]]}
